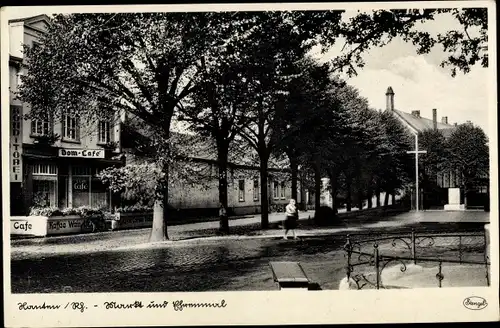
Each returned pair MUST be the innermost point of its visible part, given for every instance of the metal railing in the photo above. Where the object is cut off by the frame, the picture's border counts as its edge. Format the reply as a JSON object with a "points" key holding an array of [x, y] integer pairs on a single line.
{"points": [[368, 253]]}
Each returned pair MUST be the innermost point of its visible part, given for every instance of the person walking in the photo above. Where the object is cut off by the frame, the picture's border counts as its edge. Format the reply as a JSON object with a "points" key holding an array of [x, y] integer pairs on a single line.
{"points": [[292, 216]]}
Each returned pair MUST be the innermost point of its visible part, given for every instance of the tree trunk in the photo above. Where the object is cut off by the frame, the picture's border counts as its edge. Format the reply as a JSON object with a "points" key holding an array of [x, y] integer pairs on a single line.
{"points": [[377, 193], [160, 211], [359, 192], [222, 158], [386, 200], [393, 198], [348, 202], [317, 188], [159, 230], [369, 198], [466, 191], [302, 195], [264, 205], [294, 167], [333, 186]]}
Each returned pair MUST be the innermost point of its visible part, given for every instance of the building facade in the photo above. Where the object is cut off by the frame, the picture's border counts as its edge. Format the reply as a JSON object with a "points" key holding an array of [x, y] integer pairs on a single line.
{"points": [[53, 161], [449, 183], [192, 198]]}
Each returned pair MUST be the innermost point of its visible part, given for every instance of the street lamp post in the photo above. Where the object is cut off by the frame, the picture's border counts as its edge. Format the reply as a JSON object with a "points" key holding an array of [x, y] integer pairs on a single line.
{"points": [[416, 152]]}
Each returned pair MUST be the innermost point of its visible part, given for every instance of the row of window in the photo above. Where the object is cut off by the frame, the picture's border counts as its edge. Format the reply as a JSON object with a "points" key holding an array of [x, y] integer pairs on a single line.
{"points": [[71, 128], [278, 190], [51, 169], [84, 191]]}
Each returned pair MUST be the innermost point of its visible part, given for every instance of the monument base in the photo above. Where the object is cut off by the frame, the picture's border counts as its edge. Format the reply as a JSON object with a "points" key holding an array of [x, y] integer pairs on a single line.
{"points": [[454, 200], [454, 207]]}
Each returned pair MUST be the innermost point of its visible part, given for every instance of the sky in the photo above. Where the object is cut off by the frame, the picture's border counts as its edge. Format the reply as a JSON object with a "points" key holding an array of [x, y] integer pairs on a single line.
{"points": [[419, 83], [417, 80]]}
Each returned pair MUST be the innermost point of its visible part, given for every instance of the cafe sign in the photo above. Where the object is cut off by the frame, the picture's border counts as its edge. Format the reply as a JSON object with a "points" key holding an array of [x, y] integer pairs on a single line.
{"points": [[81, 185], [81, 153]]}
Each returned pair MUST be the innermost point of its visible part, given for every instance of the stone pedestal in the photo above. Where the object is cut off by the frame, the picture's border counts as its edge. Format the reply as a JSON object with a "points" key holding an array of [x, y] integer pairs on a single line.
{"points": [[454, 200]]}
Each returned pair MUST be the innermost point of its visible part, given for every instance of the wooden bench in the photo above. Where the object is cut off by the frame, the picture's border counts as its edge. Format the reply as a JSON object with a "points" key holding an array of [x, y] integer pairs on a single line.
{"points": [[289, 275]]}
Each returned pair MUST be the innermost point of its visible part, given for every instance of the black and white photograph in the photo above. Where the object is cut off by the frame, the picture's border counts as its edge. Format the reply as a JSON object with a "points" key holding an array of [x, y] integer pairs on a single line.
{"points": [[309, 149]]}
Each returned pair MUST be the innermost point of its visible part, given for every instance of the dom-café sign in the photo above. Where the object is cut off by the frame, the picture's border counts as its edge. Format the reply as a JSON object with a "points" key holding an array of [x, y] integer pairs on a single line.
{"points": [[81, 153]]}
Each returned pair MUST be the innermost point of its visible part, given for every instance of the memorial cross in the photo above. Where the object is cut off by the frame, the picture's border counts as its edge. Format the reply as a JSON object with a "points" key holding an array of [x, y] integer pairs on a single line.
{"points": [[416, 152]]}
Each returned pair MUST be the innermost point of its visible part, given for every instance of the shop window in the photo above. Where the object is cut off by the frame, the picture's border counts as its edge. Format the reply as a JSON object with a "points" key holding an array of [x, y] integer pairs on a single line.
{"points": [[99, 194], [87, 190], [81, 191], [256, 190], [282, 190], [71, 126], [44, 193], [241, 190]]}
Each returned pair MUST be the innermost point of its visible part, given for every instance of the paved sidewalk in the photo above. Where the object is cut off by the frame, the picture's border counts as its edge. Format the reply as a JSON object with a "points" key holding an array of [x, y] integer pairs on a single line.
{"points": [[202, 232], [247, 220]]}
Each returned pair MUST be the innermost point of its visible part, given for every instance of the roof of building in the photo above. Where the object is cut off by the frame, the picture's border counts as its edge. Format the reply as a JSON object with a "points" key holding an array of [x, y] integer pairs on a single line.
{"points": [[30, 18], [196, 146], [420, 124], [38, 23], [414, 122]]}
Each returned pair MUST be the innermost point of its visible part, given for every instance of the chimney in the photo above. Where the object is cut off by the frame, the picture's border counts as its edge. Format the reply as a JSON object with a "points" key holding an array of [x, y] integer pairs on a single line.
{"points": [[389, 96], [434, 118], [415, 113], [444, 120]]}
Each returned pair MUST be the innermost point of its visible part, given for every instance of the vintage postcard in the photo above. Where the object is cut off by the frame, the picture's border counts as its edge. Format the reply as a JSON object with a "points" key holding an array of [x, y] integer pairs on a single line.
{"points": [[249, 164]]}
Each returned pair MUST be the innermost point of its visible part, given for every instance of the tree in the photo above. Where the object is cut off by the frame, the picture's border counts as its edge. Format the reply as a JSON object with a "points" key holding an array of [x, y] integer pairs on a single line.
{"points": [[306, 111], [466, 47], [142, 63], [217, 108], [350, 165], [274, 48], [149, 63], [395, 165], [469, 46], [433, 162], [468, 154]]}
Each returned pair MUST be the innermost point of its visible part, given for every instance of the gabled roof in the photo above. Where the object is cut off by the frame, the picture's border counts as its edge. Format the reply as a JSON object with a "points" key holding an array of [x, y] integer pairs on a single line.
{"points": [[421, 124], [38, 22], [30, 19], [195, 146]]}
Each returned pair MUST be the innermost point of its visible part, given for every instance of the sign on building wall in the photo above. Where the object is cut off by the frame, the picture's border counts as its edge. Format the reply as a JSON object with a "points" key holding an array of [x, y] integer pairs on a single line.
{"points": [[81, 153], [80, 184], [16, 144]]}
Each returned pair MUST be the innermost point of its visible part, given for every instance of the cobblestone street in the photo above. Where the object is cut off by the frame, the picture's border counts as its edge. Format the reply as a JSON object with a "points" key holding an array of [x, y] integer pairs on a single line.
{"points": [[123, 261]]}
